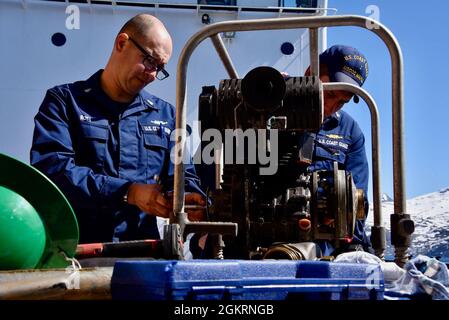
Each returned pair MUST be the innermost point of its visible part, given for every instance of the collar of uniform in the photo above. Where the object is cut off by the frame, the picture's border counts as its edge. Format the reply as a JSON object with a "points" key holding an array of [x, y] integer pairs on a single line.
{"points": [[332, 121], [139, 104], [93, 87], [148, 100]]}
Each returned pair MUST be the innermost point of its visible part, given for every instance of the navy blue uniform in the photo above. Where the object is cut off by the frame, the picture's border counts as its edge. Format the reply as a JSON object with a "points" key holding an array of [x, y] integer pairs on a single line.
{"points": [[340, 139], [93, 148]]}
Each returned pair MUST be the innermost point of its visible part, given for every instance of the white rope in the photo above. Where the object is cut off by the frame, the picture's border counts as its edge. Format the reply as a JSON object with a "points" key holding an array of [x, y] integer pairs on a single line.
{"points": [[73, 279], [76, 266]]}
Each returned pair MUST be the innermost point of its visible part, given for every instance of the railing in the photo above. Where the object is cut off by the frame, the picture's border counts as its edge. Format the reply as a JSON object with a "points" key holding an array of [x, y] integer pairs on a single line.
{"points": [[193, 5], [400, 238]]}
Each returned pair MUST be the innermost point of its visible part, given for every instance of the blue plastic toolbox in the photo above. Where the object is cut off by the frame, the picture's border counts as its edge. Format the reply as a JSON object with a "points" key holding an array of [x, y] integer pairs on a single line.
{"points": [[245, 280]]}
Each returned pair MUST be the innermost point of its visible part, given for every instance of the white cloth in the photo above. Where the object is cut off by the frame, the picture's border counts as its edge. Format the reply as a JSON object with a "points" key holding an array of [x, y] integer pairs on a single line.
{"points": [[424, 275], [391, 270], [421, 275]]}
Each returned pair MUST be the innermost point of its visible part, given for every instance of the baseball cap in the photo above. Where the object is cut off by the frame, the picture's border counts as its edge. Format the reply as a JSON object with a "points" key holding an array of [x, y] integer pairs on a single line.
{"points": [[345, 64]]}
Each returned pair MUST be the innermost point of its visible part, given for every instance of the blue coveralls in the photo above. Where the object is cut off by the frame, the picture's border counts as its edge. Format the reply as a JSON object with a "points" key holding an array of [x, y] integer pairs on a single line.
{"points": [[340, 139], [93, 148]]}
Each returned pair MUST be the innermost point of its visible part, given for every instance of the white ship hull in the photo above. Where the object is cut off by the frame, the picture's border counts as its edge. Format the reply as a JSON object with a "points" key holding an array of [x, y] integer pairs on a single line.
{"points": [[30, 62]]}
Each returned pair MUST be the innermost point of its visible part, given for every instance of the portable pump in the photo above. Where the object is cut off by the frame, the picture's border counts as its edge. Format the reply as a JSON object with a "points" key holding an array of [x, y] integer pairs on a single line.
{"points": [[278, 215]]}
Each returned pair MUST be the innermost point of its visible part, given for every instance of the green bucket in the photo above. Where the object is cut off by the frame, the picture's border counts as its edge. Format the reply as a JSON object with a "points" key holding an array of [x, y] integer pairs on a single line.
{"points": [[38, 228]]}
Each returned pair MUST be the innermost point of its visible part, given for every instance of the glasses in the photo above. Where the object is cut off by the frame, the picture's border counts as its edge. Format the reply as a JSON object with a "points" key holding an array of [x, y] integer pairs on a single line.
{"points": [[149, 62]]}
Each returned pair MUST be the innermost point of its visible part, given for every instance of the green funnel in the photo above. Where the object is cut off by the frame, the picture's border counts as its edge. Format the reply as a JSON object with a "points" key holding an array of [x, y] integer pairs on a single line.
{"points": [[37, 224]]}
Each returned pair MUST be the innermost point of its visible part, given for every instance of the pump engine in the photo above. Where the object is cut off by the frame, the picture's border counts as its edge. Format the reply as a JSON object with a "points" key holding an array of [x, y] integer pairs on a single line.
{"points": [[282, 208]]}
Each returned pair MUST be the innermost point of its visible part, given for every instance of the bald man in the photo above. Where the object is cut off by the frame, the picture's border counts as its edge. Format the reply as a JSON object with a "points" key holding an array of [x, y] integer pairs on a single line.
{"points": [[105, 141]]}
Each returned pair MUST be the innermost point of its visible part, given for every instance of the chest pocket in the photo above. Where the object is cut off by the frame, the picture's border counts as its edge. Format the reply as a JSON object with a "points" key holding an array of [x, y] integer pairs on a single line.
{"points": [[93, 144], [156, 152], [334, 150]]}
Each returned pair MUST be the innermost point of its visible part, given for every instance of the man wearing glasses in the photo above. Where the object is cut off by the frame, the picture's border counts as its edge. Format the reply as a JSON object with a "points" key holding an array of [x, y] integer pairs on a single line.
{"points": [[106, 142]]}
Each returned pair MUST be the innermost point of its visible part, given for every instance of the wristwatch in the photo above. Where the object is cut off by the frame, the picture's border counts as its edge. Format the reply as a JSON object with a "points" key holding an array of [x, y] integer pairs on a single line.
{"points": [[125, 196]]}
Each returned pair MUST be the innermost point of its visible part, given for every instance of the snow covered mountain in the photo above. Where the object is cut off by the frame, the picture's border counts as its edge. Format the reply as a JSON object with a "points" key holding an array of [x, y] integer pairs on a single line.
{"points": [[386, 198], [430, 213]]}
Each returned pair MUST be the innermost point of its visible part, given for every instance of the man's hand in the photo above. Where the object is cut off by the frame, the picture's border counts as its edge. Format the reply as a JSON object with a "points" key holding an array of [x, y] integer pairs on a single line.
{"points": [[195, 199], [192, 198], [149, 199]]}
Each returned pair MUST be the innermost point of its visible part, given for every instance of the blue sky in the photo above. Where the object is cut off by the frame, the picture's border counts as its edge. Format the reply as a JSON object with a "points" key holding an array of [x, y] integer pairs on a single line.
{"points": [[420, 28]]}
